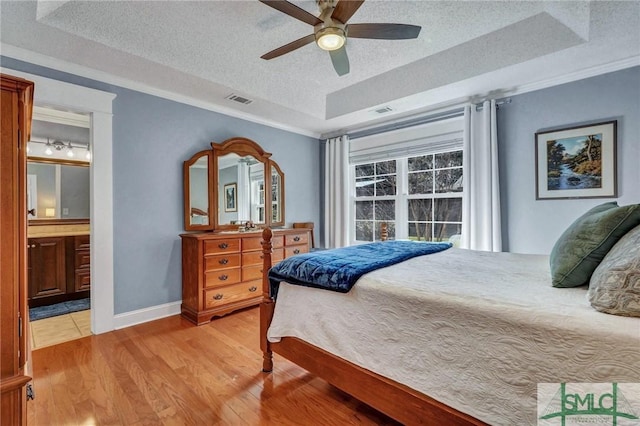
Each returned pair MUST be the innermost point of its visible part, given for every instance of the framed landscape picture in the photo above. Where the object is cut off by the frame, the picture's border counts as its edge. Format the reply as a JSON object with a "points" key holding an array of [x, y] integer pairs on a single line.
{"points": [[577, 162], [230, 197]]}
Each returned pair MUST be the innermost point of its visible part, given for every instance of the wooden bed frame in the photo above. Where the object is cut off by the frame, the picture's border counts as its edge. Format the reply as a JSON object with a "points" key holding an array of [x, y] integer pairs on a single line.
{"points": [[396, 400]]}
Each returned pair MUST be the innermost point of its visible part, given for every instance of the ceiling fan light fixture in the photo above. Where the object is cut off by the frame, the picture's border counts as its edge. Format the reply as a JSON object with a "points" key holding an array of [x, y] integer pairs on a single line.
{"points": [[330, 38]]}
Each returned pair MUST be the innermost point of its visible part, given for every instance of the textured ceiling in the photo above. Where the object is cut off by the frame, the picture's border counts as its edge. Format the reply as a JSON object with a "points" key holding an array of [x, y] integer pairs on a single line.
{"points": [[201, 52]]}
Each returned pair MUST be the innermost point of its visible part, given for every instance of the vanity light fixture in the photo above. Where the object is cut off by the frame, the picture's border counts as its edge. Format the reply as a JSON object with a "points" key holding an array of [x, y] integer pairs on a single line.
{"points": [[48, 151], [69, 150]]}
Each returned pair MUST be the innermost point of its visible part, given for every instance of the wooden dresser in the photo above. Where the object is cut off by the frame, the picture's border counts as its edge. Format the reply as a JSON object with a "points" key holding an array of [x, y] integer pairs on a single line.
{"points": [[17, 101], [222, 272]]}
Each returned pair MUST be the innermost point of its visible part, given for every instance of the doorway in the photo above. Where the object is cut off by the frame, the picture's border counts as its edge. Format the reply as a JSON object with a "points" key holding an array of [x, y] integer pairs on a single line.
{"points": [[98, 104], [58, 232]]}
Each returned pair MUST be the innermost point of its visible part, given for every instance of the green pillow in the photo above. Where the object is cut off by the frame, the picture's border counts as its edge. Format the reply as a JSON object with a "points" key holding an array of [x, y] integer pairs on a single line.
{"points": [[586, 242]]}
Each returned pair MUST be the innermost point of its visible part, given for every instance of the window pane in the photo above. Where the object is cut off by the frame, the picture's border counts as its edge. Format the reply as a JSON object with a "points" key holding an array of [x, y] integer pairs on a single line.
{"points": [[364, 170], [449, 159], [424, 162], [364, 230], [386, 186], [420, 231], [364, 187], [420, 209], [391, 230], [448, 209], [364, 209], [385, 210], [444, 231], [386, 167], [421, 183], [449, 180]]}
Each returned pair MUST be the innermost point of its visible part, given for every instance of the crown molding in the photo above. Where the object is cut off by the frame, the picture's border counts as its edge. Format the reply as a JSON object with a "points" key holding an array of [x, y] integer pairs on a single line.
{"points": [[101, 76], [632, 61]]}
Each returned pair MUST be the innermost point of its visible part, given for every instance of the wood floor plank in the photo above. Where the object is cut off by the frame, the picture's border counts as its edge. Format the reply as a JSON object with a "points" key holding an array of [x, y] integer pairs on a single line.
{"points": [[170, 372]]}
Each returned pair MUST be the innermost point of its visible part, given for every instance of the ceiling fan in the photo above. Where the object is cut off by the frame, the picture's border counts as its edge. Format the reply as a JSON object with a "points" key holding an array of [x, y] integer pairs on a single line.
{"points": [[330, 29]]}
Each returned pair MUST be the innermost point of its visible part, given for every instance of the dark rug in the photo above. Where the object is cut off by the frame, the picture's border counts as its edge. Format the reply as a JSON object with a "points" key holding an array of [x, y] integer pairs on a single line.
{"points": [[43, 312]]}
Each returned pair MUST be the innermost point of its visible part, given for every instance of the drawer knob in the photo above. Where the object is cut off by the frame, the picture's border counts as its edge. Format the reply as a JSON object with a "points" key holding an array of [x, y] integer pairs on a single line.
{"points": [[223, 245], [218, 296], [296, 251], [223, 277], [253, 288], [296, 238], [223, 261]]}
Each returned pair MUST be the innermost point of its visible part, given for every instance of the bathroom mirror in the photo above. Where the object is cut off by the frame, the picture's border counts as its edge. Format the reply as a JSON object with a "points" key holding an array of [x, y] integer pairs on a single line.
{"points": [[57, 190]]}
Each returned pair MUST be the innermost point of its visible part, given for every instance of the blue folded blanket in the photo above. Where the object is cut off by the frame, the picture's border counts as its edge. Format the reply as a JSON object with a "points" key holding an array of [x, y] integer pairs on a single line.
{"points": [[339, 269]]}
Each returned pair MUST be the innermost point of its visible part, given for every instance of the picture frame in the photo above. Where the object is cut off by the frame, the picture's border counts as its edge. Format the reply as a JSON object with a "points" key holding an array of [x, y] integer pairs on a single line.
{"points": [[577, 162], [231, 197]]}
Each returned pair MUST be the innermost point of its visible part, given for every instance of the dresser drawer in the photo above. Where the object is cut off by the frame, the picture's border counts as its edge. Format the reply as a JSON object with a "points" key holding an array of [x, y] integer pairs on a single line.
{"points": [[297, 239], [250, 244], [222, 277], [277, 255], [221, 261], [232, 293], [227, 245], [252, 258], [293, 250], [250, 273]]}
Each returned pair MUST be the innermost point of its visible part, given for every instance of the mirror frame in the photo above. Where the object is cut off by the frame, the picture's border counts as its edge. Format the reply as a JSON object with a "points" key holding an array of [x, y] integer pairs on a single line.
{"points": [[187, 194], [273, 165], [241, 147]]}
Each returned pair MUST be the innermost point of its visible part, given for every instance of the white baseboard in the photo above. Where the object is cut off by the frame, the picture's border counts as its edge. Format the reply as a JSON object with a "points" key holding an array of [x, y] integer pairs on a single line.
{"points": [[151, 313]]}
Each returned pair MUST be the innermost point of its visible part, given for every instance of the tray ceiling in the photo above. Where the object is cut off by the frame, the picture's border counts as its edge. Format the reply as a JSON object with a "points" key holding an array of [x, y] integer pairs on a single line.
{"points": [[200, 52]]}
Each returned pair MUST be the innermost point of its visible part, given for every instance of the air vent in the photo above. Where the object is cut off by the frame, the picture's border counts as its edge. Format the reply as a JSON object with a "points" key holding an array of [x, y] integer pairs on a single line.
{"points": [[236, 98], [383, 110]]}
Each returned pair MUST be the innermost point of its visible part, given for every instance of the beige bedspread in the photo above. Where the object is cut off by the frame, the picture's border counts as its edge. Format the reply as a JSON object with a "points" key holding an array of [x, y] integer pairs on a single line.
{"points": [[475, 330]]}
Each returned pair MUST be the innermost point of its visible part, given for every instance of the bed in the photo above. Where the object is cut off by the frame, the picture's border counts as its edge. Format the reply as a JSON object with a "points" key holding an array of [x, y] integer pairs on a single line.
{"points": [[475, 351]]}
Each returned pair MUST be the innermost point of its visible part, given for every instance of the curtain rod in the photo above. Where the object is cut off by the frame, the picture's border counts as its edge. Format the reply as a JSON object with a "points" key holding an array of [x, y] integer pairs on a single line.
{"points": [[498, 103], [458, 112]]}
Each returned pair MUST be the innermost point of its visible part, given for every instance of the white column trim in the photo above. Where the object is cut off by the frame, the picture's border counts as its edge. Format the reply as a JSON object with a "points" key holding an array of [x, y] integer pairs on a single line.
{"points": [[99, 104]]}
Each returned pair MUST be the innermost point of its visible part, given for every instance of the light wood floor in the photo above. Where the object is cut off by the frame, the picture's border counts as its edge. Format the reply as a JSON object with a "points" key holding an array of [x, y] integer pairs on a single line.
{"points": [[170, 372], [60, 329]]}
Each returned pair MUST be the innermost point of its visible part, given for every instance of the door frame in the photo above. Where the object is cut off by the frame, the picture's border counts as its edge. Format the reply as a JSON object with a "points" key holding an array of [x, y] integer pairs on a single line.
{"points": [[99, 104]]}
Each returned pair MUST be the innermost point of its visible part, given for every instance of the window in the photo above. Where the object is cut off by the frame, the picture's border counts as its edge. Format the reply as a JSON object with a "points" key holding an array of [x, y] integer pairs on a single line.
{"points": [[419, 197]]}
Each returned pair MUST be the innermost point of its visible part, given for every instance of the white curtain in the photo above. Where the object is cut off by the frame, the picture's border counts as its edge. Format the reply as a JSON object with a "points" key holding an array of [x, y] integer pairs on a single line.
{"points": [[336, 196], [481, 229]]}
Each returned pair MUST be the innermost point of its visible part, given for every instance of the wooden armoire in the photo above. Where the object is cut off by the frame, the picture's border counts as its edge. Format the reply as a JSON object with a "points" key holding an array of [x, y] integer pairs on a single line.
{"points": [[15, 126]]}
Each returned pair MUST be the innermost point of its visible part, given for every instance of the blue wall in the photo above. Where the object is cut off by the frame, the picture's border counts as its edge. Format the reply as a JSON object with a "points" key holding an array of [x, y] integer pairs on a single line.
{"points": [[152, 136], [533, 226]]}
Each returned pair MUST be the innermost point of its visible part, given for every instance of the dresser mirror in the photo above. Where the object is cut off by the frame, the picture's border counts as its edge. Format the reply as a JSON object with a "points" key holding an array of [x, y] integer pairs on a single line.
{"points": [[277, 195], [197, 199], [227, 188]]}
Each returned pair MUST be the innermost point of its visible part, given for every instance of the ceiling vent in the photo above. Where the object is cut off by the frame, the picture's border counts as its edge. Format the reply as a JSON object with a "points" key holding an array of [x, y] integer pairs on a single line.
{"points": [[383, 110], [240, 99]]}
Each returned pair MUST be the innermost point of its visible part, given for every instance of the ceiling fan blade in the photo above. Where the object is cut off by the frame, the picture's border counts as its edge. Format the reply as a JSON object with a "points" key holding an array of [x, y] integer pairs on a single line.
{"points": [[340, 60], [345, 9], [383, 31], [293, 11], [289, 47]]}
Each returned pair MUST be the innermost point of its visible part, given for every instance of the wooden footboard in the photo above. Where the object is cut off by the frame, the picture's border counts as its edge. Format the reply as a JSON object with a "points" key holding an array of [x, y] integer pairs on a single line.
{"points": [[396, 400]]}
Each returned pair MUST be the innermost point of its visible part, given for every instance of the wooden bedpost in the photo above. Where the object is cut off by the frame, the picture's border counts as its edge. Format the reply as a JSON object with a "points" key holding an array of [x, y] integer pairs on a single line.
{"points": [[384, 231], [267, 305]]}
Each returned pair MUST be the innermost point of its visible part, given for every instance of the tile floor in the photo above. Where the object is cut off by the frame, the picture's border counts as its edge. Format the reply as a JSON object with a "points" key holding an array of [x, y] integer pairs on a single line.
{"points": [[60, 329]]}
